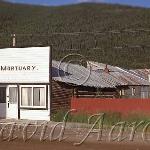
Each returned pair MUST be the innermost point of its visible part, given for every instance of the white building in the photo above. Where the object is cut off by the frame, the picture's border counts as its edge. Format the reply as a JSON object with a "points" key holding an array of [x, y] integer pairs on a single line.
{"points": [[25, 90]]}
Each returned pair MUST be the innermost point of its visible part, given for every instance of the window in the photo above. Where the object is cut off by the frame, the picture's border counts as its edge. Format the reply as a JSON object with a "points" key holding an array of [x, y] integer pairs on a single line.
{"points": [[122, 92], [33, 97], [38, 96], [26, 96], [13, 95], [133, 91]]}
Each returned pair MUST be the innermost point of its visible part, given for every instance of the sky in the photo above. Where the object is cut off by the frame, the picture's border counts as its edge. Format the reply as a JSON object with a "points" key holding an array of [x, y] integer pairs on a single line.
{"points": [[141, 3]]}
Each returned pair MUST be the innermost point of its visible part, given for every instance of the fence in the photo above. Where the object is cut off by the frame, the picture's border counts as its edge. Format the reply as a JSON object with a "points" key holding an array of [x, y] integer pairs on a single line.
{"points": [[124, 106]]}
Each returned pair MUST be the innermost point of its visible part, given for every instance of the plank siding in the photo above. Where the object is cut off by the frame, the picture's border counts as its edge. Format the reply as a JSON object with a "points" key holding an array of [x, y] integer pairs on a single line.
{"points": [[61, 96]]}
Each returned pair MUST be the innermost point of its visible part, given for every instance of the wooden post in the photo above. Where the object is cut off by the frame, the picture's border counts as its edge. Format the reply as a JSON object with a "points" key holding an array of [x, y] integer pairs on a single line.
{"points": [[14, 40]]}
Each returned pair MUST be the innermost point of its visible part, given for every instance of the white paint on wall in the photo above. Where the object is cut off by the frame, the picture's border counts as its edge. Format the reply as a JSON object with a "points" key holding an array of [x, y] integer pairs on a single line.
{"points": [[35, 114], [24, 65]]}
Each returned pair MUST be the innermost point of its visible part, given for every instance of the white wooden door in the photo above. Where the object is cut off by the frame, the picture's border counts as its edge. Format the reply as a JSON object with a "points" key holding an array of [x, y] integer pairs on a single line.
{"points": [[12, 103]]}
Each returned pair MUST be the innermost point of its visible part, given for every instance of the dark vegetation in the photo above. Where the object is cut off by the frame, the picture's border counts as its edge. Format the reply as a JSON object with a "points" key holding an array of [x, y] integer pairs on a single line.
{"points": [[123, 36]]}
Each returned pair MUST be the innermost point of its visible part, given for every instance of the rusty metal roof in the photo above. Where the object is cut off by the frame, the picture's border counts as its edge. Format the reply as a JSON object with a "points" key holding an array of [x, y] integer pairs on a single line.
{"points": [[143, 73], [123, 76], [79, 75], [129, 78]]}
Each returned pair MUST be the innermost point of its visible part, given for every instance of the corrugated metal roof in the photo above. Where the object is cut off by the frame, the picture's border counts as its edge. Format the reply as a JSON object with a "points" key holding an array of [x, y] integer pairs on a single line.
{"points": [[123, 76], [79, 75], [128, 78], [100, 66], [143, 73]]}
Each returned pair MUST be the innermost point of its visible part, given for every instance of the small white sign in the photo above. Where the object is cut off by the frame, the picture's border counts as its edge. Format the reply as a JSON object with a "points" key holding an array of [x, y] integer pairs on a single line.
{"points": [[24, 65]]}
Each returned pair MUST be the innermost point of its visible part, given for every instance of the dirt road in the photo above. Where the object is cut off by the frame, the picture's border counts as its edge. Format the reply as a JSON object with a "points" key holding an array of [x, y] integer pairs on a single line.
{"points": [[72, 135], [36, 145]]}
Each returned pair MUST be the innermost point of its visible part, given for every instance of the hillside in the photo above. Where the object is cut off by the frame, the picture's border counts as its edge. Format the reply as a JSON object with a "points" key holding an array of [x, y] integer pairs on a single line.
{"points": [[123, 36]]}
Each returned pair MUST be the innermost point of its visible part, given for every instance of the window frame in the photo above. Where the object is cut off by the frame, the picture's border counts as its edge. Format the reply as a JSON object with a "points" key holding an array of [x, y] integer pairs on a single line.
{"points": [[32, 87], [122, 92], [133, 91]]}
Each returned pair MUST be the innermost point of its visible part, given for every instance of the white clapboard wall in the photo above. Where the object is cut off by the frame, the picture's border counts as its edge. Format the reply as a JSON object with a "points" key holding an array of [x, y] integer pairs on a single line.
{"points": [[24, 65]]}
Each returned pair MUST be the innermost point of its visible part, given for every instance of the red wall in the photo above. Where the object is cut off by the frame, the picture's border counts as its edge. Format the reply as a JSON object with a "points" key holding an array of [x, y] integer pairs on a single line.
{"points": [[124, 106]]}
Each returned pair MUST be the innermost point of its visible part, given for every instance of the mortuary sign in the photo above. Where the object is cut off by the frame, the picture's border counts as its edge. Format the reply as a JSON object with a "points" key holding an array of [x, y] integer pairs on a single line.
{"points": [[17, 68], [24, 65]]}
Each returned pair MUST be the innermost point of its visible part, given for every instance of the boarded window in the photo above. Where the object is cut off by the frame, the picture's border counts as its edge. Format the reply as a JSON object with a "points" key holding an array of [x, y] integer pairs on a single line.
{"points": [[13, 95]]}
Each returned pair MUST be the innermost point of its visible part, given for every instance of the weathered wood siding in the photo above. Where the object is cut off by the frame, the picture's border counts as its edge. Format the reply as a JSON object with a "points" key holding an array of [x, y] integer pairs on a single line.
{"points": [[61, 96]]}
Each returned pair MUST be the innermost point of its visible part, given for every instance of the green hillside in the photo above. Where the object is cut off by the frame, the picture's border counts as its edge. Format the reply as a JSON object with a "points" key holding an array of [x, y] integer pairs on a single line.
{"points": [[122, 33]]}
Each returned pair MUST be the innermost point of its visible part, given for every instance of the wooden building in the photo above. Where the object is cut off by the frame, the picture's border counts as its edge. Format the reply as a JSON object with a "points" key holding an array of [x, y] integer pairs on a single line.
{"points": [[102, 81], [25, 89]]}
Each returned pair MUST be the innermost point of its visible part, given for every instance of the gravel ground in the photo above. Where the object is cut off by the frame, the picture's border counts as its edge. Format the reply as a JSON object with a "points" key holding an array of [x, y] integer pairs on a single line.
{"points": [[74, 133]]}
